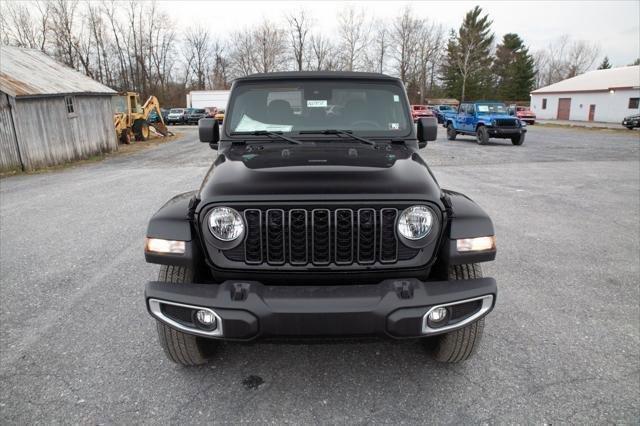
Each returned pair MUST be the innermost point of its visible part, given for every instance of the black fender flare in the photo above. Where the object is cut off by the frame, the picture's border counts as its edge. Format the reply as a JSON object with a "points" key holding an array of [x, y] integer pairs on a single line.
{"points": [[173, 221], [466, 220]]}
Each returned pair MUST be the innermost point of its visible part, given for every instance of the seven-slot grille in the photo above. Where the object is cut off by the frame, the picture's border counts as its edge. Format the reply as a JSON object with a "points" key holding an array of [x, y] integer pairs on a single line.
{"points": [[320, 237], [505, 122]]}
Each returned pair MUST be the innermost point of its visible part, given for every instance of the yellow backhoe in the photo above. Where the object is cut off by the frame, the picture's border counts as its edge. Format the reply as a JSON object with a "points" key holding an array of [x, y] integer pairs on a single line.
{"points": [[131, 119]]}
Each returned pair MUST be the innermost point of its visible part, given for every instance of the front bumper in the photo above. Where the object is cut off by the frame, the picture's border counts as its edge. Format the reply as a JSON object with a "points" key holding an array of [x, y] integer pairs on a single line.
{"points": [[249, 310], [498, 132]]}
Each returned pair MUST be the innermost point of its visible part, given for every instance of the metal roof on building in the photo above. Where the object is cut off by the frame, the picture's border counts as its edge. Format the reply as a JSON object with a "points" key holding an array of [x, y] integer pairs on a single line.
{"points": [[31, 73], [597, 81]]}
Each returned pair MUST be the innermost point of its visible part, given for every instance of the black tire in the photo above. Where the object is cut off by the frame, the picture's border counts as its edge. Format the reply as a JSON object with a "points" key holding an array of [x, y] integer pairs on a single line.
{"points": [[461, 344], [518, 140], [451, 133], [141, 129], [482, 135], [629, 127], [182, 348], [125, 137]]}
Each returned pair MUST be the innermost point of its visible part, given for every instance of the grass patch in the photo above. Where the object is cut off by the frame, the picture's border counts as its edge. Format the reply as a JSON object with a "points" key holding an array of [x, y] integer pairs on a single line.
{"points": [[132, 148]]}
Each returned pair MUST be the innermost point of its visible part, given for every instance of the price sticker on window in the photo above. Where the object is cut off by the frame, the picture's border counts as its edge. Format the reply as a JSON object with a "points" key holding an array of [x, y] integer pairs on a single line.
{"points": [[316, 103]]}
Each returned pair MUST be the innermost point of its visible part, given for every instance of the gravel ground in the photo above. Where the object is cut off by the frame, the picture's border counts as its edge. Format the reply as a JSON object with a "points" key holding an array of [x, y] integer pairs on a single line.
{"points": [[562, 345]]}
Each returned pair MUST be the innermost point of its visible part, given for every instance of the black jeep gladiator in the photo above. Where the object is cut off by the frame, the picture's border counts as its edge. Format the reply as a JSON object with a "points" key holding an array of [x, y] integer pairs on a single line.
{"points": [[319, 219]]}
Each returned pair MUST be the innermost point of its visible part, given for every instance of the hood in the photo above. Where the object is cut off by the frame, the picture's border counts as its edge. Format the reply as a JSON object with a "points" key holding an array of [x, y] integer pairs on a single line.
{"points": [[319, 171]]}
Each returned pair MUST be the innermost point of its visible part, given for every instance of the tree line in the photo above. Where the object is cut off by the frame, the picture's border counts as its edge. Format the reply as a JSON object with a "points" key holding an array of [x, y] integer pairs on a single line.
{"points": [[136, 46]]}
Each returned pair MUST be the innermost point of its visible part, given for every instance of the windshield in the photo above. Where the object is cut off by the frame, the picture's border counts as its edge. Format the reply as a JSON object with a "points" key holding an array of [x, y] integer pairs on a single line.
{"points": [[445, 108], [491, 109], [175, 111], [375, 108]]}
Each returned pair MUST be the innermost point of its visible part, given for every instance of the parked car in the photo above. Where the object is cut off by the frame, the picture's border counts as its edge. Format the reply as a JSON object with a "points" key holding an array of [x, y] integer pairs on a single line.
{"points": [[177, 116], [420, 111], [301, 229], [154, 118], [441, 110], [631, 121], [484, 120], [195, 114], [219, 116], [525, 114]]}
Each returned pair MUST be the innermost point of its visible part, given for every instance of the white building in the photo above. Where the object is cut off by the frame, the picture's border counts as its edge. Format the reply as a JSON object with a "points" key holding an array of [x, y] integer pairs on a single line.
{"points": [[207, 98], [601, 95]]}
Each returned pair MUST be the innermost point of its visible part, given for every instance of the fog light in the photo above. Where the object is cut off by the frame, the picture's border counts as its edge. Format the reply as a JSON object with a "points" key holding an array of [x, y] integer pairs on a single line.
{"points": [[206, 319], [438, 314]]}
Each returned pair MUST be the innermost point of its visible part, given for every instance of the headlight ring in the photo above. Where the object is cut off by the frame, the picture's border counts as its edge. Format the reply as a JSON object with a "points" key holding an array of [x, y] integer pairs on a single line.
{"points": [[226, 224], [416, 222]]}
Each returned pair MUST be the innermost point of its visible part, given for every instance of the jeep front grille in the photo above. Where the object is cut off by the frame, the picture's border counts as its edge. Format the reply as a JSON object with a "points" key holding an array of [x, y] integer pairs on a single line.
{"points": [[320, 237], [506, 122]]}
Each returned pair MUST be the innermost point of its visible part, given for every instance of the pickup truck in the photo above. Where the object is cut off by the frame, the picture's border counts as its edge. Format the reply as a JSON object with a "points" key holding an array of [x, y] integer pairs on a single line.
{"points": [[484, 120]]}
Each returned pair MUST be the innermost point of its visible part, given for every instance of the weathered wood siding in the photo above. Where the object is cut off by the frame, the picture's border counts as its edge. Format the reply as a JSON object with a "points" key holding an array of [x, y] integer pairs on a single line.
{"points": [[47, 135], [9, 157]]}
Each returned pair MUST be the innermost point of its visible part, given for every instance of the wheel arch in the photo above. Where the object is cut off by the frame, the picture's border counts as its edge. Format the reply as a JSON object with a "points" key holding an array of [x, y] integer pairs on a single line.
{"points": [[174, 222]]}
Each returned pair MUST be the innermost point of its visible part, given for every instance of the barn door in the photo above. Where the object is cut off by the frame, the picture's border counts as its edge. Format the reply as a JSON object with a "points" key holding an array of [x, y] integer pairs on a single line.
{"points": [[592, 112], [564, 108]]}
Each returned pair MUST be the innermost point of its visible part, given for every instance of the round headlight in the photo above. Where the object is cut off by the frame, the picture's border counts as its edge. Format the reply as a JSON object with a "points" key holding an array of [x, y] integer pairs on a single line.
{"points": [[415, 222], [225, 223]]}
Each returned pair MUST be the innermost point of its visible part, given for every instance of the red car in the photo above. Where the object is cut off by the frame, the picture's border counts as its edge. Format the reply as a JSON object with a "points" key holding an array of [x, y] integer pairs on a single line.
{"points": [[526, 115], [420, 111]]}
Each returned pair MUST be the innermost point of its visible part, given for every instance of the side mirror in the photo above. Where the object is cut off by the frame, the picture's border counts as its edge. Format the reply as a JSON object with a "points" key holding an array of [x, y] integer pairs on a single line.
{"points": [[427, 130], [209, 131]]}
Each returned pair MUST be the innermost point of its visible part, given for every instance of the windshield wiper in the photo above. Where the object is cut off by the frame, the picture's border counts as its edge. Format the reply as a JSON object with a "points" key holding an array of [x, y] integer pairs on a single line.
{"points": [[338, 132], [268, 133]]}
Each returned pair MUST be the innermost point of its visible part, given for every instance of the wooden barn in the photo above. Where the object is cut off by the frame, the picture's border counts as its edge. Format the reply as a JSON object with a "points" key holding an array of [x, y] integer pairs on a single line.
{"points": [[50, 114]]}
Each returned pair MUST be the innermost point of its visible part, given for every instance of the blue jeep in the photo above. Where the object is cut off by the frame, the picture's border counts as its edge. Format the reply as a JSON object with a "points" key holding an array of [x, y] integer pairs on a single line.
{"points": [[484, 120]]}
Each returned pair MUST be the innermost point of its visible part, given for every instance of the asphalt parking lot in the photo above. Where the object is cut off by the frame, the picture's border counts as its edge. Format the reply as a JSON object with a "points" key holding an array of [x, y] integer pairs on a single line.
{"points": [[562, 345]]}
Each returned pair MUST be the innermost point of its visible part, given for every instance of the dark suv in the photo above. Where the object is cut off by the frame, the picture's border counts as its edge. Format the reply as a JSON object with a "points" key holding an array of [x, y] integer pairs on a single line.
{"points": [[195, 114], [319, 218]]}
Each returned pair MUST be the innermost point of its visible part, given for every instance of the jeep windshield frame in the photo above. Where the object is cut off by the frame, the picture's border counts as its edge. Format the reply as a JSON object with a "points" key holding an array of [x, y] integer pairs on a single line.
{"points": [[311, 108]]}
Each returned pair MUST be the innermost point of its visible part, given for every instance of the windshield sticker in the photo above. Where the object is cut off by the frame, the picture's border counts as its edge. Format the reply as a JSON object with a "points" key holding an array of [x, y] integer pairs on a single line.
{"points": [[396, 98], [394, 126], [483, 108], [316, 103], [248, 124]]}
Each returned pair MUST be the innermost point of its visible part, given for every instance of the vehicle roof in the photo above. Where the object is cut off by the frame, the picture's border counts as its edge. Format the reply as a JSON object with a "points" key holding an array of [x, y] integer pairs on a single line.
{"points": [[297, 75], [485, 102]]}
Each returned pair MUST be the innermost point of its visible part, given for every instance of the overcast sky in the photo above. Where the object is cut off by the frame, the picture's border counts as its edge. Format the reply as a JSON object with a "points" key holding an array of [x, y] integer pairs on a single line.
{"points": [[615, 25]]}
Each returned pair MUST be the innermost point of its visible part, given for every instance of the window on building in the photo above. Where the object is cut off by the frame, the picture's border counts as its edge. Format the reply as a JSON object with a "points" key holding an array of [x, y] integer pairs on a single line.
{"points": [[68, 101], [634, 103], [544, 104]]}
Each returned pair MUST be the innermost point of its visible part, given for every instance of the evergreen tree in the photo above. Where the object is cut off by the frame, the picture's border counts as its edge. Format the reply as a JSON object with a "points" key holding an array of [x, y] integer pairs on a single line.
{"points": [[636, 62], [513, 69], [466, 69], [605, 65]]}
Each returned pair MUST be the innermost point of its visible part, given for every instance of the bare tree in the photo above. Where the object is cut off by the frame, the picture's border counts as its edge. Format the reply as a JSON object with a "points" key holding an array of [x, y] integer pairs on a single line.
{"points": [[376, 57], [404, 36], [428, 54], [218, 77], [197, 52], [353, 31], [564, 58], [299, 27], [270, 47], [63, 15], [241, 57], [26, 26], [321, 49]]}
